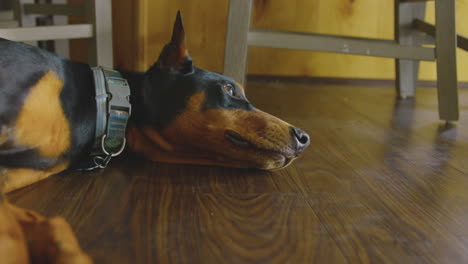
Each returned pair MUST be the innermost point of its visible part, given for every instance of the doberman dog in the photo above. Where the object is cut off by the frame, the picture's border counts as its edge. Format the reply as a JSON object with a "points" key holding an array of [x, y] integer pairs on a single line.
{"points": [[180, 114]]}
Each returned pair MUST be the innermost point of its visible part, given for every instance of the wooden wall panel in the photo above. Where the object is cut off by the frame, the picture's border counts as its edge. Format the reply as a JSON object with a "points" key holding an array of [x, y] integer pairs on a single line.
{"points": [[125, 31], [360, 18], [205, 26], [78, 51], [150, 25], [125, 34]]}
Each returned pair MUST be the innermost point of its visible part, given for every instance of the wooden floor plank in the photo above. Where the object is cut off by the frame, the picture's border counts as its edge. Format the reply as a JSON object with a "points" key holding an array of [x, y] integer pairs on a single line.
{"points": [[136, 211], [382, 182], [394, 209]]}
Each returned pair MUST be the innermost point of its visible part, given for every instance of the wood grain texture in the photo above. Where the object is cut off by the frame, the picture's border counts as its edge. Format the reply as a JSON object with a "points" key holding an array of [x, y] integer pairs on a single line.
{"points": [[78, 47], [373, 19], [206, 20], [204, 24], [383, 182]]}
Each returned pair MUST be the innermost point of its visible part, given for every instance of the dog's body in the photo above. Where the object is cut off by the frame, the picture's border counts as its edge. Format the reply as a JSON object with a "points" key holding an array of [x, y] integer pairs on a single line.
{"points": [[47, 111], [180, 113]]}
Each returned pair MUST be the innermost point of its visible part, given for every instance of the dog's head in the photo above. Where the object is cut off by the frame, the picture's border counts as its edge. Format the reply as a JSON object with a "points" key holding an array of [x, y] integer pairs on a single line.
{"points": [[189, 115]]}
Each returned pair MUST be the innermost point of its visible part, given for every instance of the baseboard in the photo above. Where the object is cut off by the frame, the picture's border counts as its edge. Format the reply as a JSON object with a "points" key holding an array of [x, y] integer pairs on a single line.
{"points": [[338, 81]]}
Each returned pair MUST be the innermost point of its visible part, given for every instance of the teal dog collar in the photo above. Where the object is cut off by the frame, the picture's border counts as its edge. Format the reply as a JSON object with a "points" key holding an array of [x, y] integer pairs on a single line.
{"points": [[113, 112]]}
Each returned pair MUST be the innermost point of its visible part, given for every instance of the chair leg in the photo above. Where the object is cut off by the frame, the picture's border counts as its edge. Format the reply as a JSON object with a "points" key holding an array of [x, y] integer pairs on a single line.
{"points": [[16, 10], [26, 20], [62, 47], [235, 55], [406, 71], [100, 50], [446, 44]]}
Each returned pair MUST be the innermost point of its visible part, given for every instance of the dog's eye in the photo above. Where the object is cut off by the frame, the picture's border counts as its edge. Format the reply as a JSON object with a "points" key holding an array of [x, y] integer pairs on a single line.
{"points": [[231, 90]]}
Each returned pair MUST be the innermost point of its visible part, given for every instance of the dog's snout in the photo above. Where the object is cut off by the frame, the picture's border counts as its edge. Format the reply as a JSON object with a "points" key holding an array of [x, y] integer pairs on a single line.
{"points": [[301, 138]]}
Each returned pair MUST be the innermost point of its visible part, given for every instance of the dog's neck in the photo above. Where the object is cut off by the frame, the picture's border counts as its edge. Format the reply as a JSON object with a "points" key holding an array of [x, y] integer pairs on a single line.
{"points": [[137, 138]]}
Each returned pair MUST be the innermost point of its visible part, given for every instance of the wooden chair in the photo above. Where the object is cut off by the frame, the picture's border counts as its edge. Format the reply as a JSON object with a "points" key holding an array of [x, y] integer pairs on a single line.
{"points": [[407, 47], [97, 29], [7, 16]]}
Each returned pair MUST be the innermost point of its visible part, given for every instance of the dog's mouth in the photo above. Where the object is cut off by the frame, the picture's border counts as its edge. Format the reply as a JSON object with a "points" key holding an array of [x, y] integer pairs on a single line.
{"points": [[287, 161], [240, 141]]}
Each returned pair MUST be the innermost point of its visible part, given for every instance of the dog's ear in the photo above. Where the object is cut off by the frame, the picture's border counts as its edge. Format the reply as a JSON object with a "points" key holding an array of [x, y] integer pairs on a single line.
{"points": [[175, 54]]}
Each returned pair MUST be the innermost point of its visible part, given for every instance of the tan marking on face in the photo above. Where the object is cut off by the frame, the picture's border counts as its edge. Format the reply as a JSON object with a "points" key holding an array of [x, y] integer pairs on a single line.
{"points": [[140, 143], [156, 138], [198, 137], [205, 132], [41, 123], [18, 178]]}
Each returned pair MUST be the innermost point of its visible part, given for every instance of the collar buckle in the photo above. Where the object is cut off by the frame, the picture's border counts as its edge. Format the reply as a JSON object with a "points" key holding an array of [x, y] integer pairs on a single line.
{"points": [[113, 112]]}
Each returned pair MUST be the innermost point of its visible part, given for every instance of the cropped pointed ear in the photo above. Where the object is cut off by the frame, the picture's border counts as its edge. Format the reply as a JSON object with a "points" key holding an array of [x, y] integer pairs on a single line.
{"points": [[175, 54]]}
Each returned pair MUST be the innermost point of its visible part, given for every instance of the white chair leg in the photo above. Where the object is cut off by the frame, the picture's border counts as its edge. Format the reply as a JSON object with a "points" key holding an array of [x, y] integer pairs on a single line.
{"points": [[62, 47], [100, 50], [235, 54], [406, 71], [26, 20]]}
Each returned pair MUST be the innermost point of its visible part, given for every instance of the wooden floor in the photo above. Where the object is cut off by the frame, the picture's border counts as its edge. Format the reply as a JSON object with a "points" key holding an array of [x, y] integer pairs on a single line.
{"points": [[383, 182]]}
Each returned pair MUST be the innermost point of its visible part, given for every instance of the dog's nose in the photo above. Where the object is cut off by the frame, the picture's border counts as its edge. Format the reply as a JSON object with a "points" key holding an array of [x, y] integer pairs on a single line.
{"points": [[301, 138]]}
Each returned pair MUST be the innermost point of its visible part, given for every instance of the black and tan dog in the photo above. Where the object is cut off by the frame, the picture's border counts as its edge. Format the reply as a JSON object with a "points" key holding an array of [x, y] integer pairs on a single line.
{"points": [[181, 114]]}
